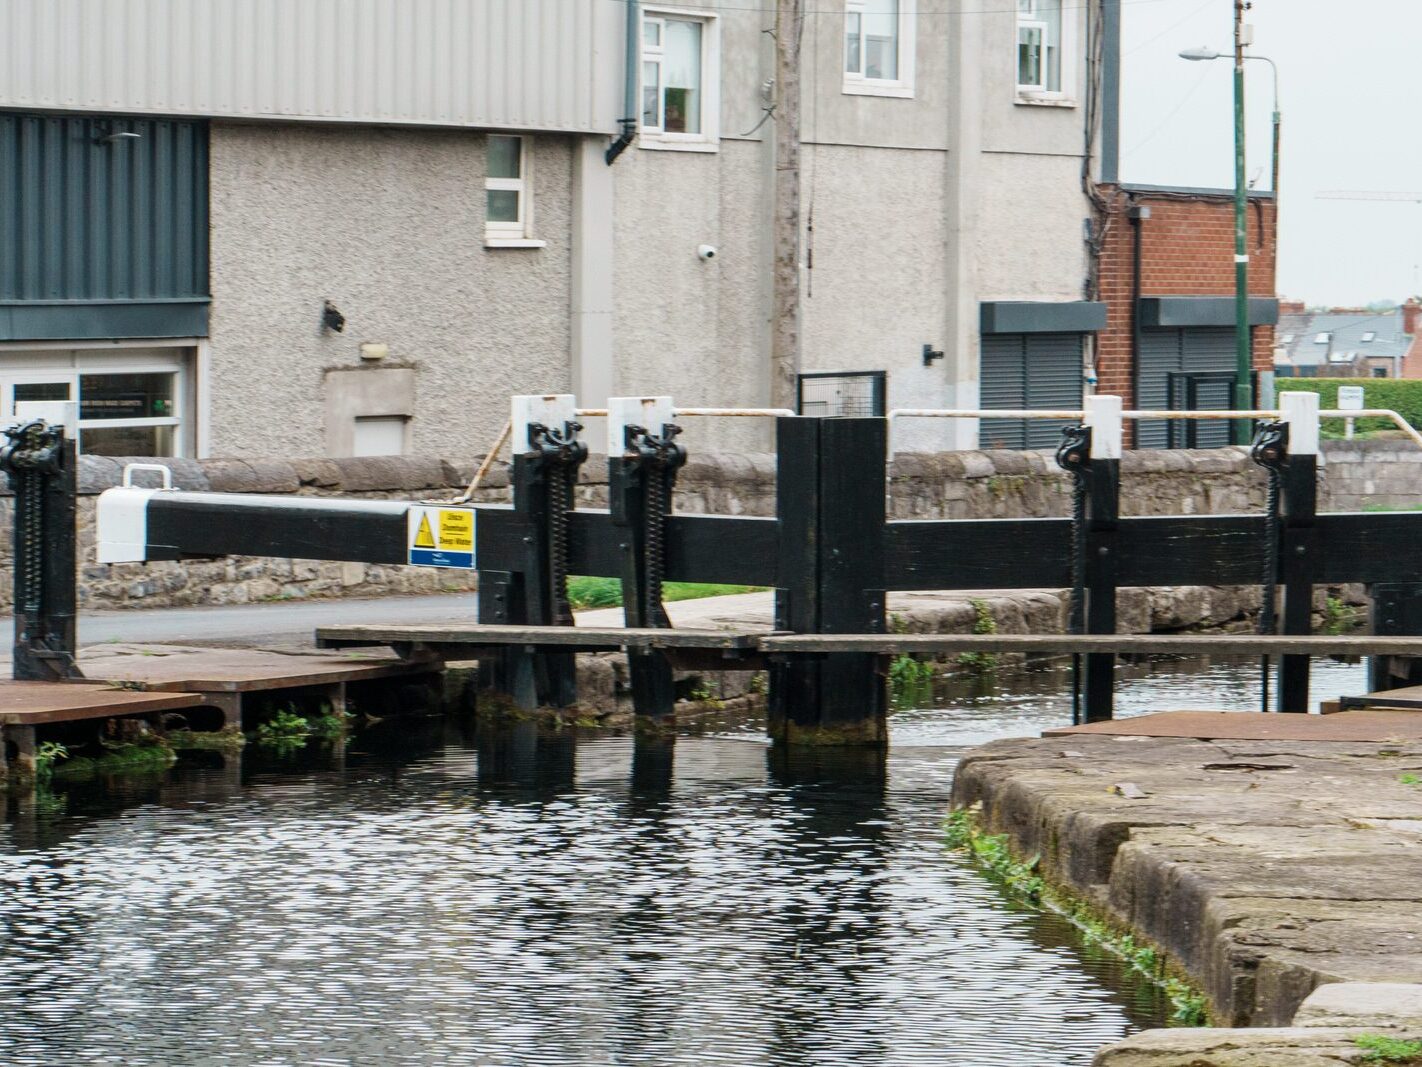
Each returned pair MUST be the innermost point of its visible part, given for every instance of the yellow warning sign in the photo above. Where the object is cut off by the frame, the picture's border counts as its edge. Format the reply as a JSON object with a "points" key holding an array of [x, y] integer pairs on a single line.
{"points": [[456, 531], [441, 536]]}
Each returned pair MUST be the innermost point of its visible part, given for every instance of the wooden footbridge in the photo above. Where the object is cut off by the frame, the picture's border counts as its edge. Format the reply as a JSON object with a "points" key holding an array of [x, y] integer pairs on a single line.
{"points": [[830, 553]]}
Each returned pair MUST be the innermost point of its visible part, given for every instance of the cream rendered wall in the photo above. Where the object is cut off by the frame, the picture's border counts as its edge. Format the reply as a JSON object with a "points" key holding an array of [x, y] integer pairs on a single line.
{"points": [[388, 224], [922, 208]]}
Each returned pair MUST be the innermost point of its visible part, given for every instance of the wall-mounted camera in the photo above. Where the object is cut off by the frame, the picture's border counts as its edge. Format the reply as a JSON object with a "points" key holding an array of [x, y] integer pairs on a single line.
{"points": [[706, 251]]}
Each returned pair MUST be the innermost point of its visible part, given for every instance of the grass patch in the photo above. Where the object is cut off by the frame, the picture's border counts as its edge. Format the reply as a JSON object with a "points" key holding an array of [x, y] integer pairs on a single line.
{"points": [[1381, 1049], [1021, 880], [584, 592]]}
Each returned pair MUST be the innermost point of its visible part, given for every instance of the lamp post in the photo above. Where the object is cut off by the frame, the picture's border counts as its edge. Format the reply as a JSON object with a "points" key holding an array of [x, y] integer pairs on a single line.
{"points": [[1244, 356], [1202, 53]]}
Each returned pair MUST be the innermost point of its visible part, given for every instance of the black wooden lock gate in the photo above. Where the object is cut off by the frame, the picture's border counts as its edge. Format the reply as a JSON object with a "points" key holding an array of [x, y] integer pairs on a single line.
{"points": [[830, 553]]}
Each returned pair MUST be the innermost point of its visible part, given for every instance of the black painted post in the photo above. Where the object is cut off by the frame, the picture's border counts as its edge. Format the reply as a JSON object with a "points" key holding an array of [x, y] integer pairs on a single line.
{"points": [[1298, 559], [653, 682], [532, 679], [854, 692], [42, 467], [831, 484], [1103, 512], [642, 470], [795, 681]]}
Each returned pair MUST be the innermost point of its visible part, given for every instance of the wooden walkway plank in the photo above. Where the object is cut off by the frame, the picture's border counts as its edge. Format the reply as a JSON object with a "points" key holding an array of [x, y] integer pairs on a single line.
{"points": [[31, 703], [221, 670], [582, 638], [1139, 644]]}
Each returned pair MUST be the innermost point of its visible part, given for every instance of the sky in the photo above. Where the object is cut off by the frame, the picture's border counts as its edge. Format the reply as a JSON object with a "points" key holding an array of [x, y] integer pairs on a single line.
{"points": [[1347, 81]]}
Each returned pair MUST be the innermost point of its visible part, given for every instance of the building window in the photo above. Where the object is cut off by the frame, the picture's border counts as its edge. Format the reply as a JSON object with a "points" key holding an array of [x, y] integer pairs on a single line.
{"points": [[508, 193], [680, 83], [1369, 337], [1040, 48], [878, 47], [128, 404]]}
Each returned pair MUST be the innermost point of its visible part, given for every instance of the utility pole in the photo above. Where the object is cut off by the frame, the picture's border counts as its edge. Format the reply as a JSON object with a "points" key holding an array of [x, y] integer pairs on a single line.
{"points": [[1244, 354], [785, 302]]}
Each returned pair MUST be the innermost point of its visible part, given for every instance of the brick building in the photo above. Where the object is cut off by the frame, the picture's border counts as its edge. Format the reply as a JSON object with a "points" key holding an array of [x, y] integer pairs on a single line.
{"points": [[1166, 275]]}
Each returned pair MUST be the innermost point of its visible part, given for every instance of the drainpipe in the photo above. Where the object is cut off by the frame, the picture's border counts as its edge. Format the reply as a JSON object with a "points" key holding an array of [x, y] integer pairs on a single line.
{"points": [[628, 122], [1137, 213]]}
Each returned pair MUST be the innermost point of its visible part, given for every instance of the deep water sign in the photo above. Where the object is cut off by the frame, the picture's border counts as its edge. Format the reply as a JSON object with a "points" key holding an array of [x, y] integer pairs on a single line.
{"points": [[441, 535]]}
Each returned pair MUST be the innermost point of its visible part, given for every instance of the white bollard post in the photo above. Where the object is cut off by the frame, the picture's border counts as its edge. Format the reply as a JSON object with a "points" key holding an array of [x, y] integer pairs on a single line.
{"points": [[1299, 411], [550, 409], [1103, 419], [649, 412]]}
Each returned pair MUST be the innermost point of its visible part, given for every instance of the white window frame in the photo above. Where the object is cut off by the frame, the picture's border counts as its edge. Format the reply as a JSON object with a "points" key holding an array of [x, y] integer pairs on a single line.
{"points": [[1040, 95], [709, 139], [900, 87], [519, 233], [189, 424]]}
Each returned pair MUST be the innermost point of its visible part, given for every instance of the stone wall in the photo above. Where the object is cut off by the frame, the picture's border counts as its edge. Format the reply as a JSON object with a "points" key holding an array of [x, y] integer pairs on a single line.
{"points": [[948, 485]]}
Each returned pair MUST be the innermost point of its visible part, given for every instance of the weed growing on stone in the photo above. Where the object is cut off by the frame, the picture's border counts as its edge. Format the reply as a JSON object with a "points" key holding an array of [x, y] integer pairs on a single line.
{"points": [[1381, 1049], [1020, 879], [983, 623], [1409, 779]]}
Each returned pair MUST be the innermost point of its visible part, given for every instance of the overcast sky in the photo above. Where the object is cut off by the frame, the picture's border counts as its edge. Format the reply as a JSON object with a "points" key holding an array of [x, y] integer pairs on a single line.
{"points": [[1347, 79]]}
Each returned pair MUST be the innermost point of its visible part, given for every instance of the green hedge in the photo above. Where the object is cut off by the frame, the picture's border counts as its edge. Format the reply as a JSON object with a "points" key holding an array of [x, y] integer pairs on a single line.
{"points": [[1402, 395]]}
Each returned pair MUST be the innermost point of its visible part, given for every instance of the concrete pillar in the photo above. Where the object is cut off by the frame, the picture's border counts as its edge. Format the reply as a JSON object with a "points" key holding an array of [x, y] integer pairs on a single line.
{"points": [[594, 369]]}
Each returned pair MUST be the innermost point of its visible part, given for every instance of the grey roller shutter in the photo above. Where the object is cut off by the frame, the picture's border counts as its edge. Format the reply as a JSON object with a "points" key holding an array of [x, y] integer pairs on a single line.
{"points": [[1194, 350], [1033, 370]]}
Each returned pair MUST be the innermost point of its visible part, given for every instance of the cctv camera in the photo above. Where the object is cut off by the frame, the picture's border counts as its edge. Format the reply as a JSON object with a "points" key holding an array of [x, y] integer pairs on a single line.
{"points": [[706, 251]]}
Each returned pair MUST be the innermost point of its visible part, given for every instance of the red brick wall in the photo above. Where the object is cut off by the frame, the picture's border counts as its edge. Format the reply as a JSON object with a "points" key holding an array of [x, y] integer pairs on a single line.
{"points": [[1187, 249]]}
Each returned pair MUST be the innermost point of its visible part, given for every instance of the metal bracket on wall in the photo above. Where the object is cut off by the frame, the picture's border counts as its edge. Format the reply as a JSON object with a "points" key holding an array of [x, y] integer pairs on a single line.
{"points": [[930, 354]]}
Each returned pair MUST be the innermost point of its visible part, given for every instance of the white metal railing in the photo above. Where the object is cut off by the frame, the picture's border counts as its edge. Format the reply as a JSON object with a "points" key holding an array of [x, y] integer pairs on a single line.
{"points": [[1064, 414]]}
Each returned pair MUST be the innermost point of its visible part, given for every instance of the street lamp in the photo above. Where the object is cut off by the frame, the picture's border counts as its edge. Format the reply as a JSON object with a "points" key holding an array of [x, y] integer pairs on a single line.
{"points": [[1197, 55], [1244, 356]]}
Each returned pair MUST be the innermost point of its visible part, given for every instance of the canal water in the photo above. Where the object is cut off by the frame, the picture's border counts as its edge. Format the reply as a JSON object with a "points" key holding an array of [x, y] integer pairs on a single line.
{"points": [[511, 898]]}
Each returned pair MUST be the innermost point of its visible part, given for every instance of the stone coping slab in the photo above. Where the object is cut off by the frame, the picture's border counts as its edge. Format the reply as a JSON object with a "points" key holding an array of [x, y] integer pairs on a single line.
{"points": [[1265, 869]]}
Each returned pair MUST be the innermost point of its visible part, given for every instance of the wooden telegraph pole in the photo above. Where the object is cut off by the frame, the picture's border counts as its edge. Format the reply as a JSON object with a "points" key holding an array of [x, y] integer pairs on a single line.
{"points": [[785, 303]]}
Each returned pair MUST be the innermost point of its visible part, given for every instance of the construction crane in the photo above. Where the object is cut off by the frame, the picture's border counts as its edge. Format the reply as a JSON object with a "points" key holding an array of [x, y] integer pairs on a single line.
{"points": [[1365, 194]]}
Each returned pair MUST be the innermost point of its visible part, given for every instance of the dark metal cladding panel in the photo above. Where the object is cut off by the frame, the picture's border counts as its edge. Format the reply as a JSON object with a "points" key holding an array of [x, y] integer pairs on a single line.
{"points": [[215, 524], [85, 219], [1029, 370], [1163, 351]]}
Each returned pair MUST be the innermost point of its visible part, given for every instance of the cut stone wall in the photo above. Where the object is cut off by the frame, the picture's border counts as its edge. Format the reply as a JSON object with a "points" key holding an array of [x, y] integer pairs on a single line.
{"points": [[947, 485]]}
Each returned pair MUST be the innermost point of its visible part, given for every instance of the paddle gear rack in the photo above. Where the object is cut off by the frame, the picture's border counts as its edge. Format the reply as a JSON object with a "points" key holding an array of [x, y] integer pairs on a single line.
{"points": [[1270, 449], [561, 454], [40, 462], [642, 481], [1074, 457]]}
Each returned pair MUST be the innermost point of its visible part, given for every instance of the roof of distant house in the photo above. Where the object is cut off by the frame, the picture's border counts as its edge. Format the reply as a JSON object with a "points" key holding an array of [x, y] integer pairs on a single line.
{"points": [[1340, 336]]}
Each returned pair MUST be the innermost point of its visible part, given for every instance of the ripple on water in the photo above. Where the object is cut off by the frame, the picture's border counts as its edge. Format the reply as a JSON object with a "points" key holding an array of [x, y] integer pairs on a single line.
{"points": [[525, 900]]}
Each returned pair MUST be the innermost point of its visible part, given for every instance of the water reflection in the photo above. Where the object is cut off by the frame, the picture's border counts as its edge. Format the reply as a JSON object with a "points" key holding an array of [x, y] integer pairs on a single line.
{"points": [[519, 896]]}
